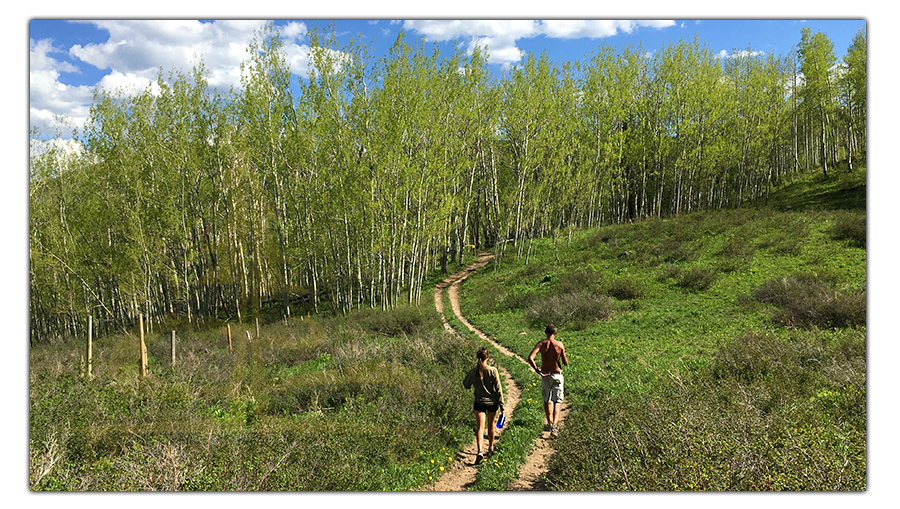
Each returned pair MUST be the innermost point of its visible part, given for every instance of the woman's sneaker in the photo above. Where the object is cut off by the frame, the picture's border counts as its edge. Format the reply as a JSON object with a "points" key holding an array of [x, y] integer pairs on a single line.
{"points": [[548, 427], [554, 432], [479, 458]]}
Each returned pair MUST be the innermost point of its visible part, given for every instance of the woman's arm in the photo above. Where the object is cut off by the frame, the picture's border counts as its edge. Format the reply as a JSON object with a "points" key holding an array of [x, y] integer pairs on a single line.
{"points": [[469, 379]]}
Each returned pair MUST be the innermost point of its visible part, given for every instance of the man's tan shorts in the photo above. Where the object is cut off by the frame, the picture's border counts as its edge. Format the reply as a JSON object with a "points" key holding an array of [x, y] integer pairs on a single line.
{"points": [[552, 388]]}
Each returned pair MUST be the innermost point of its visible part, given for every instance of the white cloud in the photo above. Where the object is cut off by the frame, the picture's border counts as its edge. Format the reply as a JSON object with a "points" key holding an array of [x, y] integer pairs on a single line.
{"points": [[129, 83], [497, 36], [500, 36], [298, 59], [501, 50], [65, 148], [740, 54], [141, 46], [444, 30], [293, 31], [138, 49], [595, 29], [50, 98]]}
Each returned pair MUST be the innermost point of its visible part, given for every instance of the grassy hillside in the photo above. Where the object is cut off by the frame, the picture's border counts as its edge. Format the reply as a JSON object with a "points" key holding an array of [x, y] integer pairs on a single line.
{"points": [[713, 351], [717, 351]]}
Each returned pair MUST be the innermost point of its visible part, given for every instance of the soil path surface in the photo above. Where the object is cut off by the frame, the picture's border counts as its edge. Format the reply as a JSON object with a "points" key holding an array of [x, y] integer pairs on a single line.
{"points": [[461, 473]]}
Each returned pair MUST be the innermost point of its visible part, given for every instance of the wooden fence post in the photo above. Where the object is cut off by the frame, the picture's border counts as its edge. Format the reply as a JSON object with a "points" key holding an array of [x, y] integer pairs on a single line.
{"points": [[228, 326], [257, 328], [89, 347], [249, 357], [143, 348], [173, 348]]}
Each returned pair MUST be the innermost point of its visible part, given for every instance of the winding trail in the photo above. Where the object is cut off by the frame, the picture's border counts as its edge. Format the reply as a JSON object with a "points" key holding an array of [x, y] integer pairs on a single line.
{"points": [[461, 473]]}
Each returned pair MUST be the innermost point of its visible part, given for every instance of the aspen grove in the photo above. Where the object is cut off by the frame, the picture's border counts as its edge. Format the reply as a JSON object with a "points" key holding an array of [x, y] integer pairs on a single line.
{"points": [[351, 187]]}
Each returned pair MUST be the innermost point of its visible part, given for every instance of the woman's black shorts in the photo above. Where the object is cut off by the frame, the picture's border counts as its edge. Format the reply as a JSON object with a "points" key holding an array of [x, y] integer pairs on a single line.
{"points": [[478, 407]]}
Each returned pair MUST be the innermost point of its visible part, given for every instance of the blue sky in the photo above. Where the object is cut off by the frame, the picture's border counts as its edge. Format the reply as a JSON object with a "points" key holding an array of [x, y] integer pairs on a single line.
{"points": [[69, 59]]}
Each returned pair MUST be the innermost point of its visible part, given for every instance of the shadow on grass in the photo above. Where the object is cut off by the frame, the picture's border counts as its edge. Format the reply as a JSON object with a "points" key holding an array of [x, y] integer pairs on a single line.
{"points": [[843, 190]]}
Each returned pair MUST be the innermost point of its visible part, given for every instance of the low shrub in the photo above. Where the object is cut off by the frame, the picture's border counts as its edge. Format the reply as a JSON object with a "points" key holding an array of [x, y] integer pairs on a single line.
{"points": [[754, 357], [673, 250], [697, 278], [786, 233], [850, 226], [693, 278], [409, 320], [570, 310], [626, 289], [579, 280], [806, 301], [492, 298], [739, 245], [668, 271]]}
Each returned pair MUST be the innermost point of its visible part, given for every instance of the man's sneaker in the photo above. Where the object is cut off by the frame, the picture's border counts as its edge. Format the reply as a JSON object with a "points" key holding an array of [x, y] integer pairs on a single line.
{"points": [[554, 432], [548, 427]]}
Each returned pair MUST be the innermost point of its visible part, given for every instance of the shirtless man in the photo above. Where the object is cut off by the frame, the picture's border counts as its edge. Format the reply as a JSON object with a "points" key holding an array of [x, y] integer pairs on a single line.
{"points": [[553, 355]]}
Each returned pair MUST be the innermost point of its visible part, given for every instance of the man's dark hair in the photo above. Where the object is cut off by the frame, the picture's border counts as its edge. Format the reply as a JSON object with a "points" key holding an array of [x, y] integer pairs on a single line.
{"points": [[550, 330]]}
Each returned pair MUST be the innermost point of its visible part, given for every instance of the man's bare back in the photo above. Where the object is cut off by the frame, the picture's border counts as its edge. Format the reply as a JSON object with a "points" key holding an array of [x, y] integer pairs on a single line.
{"points": [[552, 352]]}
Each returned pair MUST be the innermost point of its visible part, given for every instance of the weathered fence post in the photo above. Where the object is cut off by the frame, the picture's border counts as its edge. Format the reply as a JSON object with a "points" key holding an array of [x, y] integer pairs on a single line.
{"points": [[228, 326], [89, 347], [173, 348], [249, 358], [143, 348], [257, 328]]}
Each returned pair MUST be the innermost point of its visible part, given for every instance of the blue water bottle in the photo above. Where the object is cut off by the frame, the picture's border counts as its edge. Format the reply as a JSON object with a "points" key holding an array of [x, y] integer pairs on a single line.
{"points": [[501, 421]]}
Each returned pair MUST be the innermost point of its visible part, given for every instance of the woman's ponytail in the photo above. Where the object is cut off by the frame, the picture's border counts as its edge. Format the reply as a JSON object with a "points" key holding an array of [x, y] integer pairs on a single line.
{"points": [[482, 356]]}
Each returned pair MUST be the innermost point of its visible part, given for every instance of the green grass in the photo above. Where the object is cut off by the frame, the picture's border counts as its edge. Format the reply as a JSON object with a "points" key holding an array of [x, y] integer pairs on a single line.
{"points": [[842, 190]]}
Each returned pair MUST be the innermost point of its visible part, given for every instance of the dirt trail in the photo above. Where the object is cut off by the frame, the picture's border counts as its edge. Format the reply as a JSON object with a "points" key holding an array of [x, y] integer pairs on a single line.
{"points": [[461, 473]]}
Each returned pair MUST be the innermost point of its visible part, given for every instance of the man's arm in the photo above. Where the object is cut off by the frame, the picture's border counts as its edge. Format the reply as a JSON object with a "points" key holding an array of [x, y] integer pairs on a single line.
{"points": [[565, 360], [531, 363]]}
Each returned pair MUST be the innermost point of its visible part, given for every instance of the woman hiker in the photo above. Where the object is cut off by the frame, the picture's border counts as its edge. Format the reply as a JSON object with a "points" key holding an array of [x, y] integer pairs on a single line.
{"points": [[488, 399]]}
